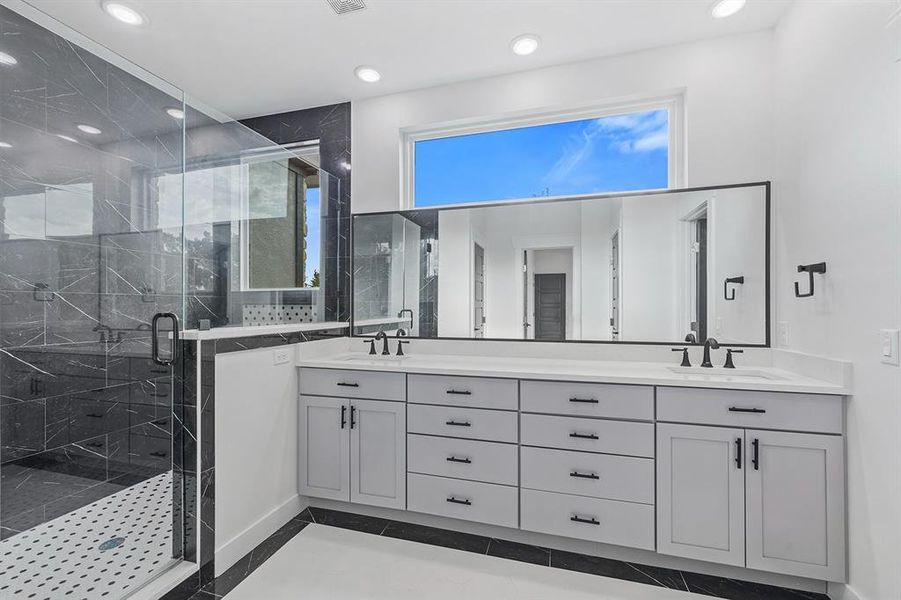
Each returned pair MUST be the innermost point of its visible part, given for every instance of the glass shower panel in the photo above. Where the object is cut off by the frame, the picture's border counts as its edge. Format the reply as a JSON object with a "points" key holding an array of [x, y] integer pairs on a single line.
{"points": [[91, 248]]}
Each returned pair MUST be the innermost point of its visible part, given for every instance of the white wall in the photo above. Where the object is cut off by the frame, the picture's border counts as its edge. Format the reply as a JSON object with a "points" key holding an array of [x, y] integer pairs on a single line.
{"points": [[256, 449], [838, 198], [455, 276], [727, 82]]}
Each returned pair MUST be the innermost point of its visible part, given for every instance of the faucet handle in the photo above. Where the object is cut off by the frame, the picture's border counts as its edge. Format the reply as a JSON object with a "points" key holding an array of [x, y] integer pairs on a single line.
{"points": [[400, 347], [729, 364], [685, 361], [371, 342]]}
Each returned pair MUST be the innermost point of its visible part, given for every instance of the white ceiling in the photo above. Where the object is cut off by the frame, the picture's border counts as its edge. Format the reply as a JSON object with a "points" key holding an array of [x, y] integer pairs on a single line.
{"points": [[254, 57]]}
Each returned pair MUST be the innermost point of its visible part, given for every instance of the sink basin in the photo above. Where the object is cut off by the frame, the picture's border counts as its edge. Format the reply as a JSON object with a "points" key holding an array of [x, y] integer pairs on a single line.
{"points": [[721, 373], [371, 359]]}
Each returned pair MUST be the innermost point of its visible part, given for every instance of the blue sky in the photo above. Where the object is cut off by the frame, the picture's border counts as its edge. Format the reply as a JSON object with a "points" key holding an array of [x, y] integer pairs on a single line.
{"points": [[617, 153], [313, 233]]}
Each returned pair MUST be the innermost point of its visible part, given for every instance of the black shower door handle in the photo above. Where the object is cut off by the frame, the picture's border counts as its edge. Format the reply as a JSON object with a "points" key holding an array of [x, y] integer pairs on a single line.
{"points": [[155, 341]]}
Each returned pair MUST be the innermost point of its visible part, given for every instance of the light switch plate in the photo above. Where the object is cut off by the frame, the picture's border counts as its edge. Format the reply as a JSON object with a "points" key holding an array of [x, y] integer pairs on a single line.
{"points": [[888, 346], [282, 355]]}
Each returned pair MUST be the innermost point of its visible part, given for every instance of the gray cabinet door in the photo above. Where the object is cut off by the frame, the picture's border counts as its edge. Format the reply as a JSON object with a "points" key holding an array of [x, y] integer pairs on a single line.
{"points": [[324, 464], [796, 504], [378, 459], [700, 493]]}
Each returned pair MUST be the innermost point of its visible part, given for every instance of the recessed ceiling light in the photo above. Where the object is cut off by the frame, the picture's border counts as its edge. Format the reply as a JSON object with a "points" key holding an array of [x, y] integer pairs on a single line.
{"points": [[124, 13], [726, 8], [67, 138], [524, 44], [5, 145], [89, 129], [8, 59], [175, 113], [367, 74]]}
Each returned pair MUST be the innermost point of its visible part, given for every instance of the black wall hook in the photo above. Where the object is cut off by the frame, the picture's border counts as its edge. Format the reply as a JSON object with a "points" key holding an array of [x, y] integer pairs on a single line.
{"points": [[734, 280], [810, 270]]}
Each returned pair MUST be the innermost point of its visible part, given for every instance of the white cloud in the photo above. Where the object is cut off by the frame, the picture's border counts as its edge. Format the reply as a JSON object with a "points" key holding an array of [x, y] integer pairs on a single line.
{"points": [[627, 134]]}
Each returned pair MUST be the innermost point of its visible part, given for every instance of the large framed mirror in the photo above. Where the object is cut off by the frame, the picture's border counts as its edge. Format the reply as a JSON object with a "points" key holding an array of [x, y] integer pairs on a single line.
{"points": [[659, 267]]}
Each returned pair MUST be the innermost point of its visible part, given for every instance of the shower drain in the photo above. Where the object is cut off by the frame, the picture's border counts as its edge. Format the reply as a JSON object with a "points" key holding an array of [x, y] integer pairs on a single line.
{"points": [[111, 544]]}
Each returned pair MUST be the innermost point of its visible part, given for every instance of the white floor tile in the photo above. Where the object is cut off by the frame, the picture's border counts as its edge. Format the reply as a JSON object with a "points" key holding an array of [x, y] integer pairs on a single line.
{"points": [[336, 564]]}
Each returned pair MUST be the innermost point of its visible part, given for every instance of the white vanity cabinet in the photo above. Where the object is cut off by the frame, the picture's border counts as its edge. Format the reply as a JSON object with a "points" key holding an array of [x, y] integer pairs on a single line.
{"points": [[745, 478], [353, 449], [760, 498]]}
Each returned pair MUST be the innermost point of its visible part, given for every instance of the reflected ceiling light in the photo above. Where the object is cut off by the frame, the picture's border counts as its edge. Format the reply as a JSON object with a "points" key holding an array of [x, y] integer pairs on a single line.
{"points": [[8, 59], [175, 113], [89, 129], [367, 74], [67, 138], [524, 44], [124, 14], [726, 8], [5, 145]]}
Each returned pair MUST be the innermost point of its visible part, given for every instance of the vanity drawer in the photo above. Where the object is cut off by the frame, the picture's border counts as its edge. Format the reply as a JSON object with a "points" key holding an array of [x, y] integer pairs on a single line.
{"points": [[375, 385], [588, 399], [591, 435], [758, 410], [476, 392], [491, 462], [585, 474], [468, 500], [605, 521], [470, 423]]}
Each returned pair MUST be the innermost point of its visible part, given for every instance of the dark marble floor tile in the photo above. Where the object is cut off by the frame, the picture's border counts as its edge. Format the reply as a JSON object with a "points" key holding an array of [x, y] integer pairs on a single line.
{"points": [[438, 537], [596, 565], [733, 589], [202, 595], [249, 563], [521, 552], [306, 515], [345, 520]]}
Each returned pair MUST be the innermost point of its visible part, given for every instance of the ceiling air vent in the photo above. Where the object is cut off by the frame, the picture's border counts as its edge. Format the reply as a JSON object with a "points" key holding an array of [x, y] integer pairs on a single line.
{"points": [[342, 7]]}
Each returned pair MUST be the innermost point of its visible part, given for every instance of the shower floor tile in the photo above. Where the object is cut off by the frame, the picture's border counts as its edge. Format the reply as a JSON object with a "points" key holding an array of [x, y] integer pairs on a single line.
{"points": [[104, 550]]}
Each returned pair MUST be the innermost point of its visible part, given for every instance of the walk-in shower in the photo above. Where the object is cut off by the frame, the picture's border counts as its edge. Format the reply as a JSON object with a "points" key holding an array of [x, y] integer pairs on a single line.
{"points": [[118, 204]]}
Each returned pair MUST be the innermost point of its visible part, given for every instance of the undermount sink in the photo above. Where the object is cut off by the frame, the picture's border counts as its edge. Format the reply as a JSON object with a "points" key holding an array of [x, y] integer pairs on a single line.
{"points": [[370, 358], [721, 373]]}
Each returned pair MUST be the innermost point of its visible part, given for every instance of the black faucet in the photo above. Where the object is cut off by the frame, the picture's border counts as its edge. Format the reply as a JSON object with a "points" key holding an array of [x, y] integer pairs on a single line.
{"points": [[711, 343], [384, 337], [691, 338], [403, 311], [401, 332], [103, 329], [685, 361]]}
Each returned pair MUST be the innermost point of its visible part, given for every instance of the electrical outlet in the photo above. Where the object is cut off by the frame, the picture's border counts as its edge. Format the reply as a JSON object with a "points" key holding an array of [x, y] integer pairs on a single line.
{"points": [[888, 345], [782, 331], [282, 355]]}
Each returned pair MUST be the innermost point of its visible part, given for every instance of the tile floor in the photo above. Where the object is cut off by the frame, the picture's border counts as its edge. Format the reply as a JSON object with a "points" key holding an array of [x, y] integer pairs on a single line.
{"points": [[97, 552], [326, 564]]}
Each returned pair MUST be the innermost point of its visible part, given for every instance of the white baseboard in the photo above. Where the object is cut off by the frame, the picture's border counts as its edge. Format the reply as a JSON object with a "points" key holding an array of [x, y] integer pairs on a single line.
{"points": [[230, 551], [841, 591]]}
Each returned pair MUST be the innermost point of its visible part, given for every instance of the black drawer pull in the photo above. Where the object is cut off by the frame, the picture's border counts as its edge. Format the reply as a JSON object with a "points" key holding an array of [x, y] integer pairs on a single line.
{"points": [[584, 436], [590, 521], [465, 461], [584, 400], [747, 410], [460, 392], [585, 475], [458, 423], [159, 454], [94, 415], [453, 500], [342, 384]]}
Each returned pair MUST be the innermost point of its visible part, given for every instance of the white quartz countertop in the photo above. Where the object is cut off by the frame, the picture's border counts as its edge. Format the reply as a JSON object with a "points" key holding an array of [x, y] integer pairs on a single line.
{"points": [[218, 333], [593, 371]]}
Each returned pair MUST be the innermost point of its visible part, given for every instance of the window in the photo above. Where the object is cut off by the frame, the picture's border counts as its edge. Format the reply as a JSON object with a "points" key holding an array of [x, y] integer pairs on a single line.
{"points": [[590, 152]]}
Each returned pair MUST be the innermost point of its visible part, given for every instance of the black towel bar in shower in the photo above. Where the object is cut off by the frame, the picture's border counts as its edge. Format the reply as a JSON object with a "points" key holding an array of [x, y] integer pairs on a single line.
{"points": [[734, 280], [810, 270]]}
